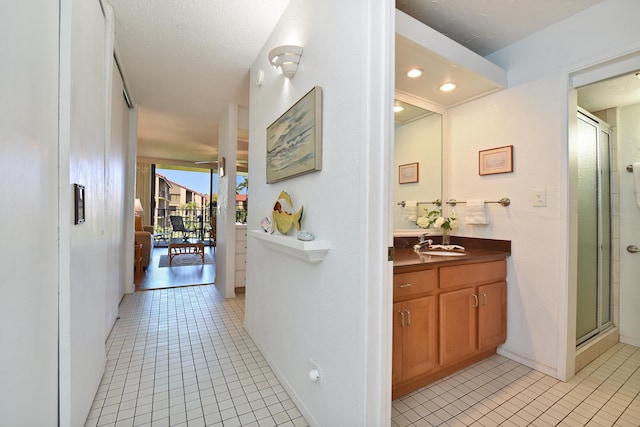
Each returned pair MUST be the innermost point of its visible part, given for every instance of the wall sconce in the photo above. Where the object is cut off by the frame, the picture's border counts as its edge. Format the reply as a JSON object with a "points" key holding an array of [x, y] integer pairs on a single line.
{"points": [[285, 59]]}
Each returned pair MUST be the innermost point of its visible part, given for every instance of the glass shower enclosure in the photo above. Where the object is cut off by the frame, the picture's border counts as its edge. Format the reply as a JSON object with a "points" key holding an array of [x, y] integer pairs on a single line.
{"points": [[594, 228]]}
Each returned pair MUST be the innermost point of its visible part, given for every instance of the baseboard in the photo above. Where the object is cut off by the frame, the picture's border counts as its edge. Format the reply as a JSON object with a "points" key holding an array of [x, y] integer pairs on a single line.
{"points": [[283, 381]]}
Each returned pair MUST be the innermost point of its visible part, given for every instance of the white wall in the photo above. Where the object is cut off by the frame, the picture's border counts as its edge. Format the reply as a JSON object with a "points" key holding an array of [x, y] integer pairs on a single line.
{"points": [[28, 172], [532, 115], [226, 216], [82, 299], [336, 312], [419, 141], [629, 148]]}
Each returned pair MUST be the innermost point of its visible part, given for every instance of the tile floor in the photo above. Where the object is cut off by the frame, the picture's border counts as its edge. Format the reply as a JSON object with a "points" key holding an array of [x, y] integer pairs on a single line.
{"points": [[501, 392], [180, 357]]}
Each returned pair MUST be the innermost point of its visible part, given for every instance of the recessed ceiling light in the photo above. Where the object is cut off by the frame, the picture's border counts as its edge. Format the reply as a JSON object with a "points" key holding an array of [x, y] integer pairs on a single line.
{"points": [[414, 72], [448, 87], [397, 108], [638, 75]]}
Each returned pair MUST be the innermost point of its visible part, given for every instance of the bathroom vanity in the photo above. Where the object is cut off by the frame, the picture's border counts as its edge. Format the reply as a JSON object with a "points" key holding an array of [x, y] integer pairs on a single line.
{"points": [[448, 312]]}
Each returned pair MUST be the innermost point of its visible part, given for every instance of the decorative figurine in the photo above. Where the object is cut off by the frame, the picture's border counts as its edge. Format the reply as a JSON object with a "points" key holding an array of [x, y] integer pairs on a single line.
{"points": [[283, 215]]}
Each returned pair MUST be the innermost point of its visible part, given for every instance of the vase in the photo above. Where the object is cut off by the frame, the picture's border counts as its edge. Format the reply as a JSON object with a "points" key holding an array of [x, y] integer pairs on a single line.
{"points": [[445, 237]]}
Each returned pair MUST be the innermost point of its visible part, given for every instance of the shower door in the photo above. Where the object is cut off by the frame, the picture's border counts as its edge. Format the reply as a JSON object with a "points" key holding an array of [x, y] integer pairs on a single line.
{"points": [[594, 229]]}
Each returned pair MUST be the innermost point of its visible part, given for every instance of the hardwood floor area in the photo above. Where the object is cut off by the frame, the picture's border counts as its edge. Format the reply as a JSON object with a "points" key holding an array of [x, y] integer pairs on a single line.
{"points": [[172, 277]]}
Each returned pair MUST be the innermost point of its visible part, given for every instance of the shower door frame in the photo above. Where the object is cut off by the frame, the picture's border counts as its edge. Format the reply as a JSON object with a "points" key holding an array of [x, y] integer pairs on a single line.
{"points": [[601, 326]]}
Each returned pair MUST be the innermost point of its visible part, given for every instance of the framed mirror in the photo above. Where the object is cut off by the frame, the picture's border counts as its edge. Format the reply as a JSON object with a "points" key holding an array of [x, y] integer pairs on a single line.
{"points": [[419, 135]]}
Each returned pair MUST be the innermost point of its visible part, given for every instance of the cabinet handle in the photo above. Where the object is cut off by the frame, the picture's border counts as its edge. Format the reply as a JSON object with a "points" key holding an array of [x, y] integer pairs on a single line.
{"points": [[475, 300], [484, 298], [404, 285], [401, 318], [408, 317]]}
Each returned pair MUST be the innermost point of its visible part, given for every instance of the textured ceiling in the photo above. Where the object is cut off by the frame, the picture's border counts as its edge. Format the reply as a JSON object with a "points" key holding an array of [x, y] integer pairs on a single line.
{"points": [[184, 62], [620, 91], [485, 26]]}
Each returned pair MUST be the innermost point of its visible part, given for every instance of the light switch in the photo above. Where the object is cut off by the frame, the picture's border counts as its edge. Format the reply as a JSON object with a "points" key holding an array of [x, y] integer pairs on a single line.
{"points": [[539, 197]]}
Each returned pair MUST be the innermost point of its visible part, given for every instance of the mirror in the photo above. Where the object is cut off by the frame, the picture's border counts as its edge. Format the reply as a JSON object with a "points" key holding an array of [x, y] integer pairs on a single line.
{"points": [[417, 159]]}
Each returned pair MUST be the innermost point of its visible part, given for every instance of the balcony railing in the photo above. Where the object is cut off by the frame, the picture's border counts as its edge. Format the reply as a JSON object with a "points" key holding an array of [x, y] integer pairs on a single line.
{"points": [[197, 221]]}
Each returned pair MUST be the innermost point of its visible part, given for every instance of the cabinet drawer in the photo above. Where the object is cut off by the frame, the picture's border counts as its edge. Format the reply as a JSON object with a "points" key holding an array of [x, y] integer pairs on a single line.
{"points": [[473, 274], [408, 285]]}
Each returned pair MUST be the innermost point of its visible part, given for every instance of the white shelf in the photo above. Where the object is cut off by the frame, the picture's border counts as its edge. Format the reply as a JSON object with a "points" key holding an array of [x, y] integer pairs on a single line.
{"points": [[313, 251]]}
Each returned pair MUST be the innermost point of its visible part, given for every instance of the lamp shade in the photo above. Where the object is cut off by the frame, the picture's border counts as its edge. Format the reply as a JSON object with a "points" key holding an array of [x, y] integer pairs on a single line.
{"points": [[138, 206]]}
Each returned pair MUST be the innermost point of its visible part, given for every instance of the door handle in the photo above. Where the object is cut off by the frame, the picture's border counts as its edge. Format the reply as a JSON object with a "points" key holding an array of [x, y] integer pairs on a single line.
{"points": [[408, 317], [401, 318], [475, 300], [632, 249], [404, 285], [484, 298]]}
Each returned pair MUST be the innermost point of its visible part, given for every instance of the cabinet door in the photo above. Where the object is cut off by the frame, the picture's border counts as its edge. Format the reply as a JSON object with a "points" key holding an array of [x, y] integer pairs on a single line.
{"points": [[457, 325], [396, 367], [420, 337], [492, 315]]}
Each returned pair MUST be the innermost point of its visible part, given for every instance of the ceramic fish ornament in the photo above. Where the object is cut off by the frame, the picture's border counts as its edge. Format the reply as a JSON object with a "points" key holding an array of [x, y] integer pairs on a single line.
{"points": [[283, 216]]}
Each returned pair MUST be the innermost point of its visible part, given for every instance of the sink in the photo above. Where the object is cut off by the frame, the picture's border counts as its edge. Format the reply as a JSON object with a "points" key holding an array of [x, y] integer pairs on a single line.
{"points": [[443, 253]]}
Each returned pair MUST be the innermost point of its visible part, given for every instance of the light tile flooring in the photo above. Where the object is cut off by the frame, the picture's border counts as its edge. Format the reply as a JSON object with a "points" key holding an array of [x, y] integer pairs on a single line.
{"points": [[501, 392], [180, 357]]}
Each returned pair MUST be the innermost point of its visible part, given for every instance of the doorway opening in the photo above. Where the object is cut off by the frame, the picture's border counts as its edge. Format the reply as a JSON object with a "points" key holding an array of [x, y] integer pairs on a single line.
{"points": [[606, 295]]}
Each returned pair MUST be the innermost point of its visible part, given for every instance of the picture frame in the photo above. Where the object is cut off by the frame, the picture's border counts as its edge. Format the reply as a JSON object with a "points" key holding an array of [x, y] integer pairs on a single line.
{"points": [[294, 140], [79, 204], [408, 173], [495, 160]]}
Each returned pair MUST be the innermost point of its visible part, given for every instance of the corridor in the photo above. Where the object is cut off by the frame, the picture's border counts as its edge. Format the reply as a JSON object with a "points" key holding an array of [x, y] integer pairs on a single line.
{"points": [[179, 357]]}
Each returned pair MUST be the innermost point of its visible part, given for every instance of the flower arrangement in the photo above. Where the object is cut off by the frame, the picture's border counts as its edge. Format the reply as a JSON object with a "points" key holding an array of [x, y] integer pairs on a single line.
{"points": [[434, 219]]}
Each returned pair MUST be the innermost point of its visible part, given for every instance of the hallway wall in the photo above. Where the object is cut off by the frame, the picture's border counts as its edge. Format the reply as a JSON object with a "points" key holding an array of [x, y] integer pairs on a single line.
{"points": [[336, 312], [28, 172], [54, 283]]}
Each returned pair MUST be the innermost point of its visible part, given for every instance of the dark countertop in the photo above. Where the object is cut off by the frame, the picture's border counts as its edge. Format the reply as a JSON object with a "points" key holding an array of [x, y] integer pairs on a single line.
{"points": [[476, 250]]}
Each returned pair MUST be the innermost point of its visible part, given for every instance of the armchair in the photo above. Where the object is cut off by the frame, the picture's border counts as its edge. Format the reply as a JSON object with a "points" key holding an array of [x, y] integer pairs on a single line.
{"points": [[144, 235]]}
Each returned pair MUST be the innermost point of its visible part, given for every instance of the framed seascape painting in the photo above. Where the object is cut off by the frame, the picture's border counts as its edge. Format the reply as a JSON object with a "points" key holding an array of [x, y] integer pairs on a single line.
{"points": [[294, 140]]}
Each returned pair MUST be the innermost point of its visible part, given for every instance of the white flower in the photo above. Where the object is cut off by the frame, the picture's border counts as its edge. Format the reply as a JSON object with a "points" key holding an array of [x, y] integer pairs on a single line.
{"points": [[435, 220], [423, 222]]}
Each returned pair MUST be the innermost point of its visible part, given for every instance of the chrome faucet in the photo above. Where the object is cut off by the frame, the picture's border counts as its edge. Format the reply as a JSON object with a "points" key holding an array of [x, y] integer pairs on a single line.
{"points": [[422, 240]]}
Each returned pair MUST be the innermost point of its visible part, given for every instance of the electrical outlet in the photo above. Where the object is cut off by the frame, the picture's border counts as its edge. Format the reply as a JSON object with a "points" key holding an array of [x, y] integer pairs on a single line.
{"points": [[539, 197]]}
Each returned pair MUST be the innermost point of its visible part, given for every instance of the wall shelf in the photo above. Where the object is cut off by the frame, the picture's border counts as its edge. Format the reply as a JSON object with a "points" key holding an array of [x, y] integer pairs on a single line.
{"points": [[313, 251]]}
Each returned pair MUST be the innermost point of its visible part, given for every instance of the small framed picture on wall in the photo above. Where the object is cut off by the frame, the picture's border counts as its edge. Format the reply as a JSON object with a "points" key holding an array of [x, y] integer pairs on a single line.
{"points": [[496, 160], [408, 173]]}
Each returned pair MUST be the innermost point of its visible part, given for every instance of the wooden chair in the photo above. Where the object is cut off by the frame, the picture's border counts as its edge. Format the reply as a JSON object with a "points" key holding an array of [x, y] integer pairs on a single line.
{"points": [[137, 258]]}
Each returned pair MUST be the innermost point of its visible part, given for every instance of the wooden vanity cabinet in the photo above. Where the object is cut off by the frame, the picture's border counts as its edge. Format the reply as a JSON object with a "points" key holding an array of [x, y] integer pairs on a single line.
{"points": [[415, 338], [445, 318], [471, 320], [415, 330]]}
